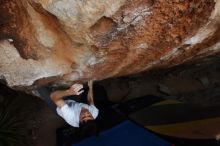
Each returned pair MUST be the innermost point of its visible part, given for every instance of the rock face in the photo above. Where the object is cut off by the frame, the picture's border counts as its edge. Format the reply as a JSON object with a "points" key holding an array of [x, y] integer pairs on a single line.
{"points": [[60, 41]]}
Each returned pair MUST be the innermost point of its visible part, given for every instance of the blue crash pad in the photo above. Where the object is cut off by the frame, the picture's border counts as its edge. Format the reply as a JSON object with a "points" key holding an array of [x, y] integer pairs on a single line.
{"points": [[125, 134]]}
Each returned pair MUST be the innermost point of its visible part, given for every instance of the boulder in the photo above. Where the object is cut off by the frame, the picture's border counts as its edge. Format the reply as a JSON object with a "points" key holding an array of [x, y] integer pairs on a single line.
{"points": [[65, 41]]}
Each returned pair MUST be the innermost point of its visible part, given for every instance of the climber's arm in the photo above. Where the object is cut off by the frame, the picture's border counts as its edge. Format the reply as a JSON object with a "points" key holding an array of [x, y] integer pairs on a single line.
{"points": [[90, 93], [57, 96]]}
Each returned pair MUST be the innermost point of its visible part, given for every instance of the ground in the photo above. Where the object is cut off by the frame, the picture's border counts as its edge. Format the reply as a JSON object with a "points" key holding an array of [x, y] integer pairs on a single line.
{"points": [[198, 83]]}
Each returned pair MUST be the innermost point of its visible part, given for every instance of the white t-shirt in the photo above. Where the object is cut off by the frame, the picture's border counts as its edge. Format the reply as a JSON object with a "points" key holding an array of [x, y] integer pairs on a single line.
{"points": [[70, 112]]}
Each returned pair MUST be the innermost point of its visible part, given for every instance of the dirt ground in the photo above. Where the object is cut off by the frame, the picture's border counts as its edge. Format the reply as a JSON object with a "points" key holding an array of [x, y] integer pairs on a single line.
{"points": [[37, 123]]}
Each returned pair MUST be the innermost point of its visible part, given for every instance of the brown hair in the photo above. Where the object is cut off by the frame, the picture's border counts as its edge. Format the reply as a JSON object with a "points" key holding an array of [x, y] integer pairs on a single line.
{"points": [[88, 128]]}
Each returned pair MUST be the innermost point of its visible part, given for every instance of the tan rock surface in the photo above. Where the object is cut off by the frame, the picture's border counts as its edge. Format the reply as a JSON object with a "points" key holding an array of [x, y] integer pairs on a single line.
{"points": [[59, 41]]}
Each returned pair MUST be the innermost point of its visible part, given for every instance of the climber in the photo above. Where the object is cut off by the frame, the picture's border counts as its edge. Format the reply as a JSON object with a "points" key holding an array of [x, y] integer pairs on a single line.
{"points": [[75, 113]]}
